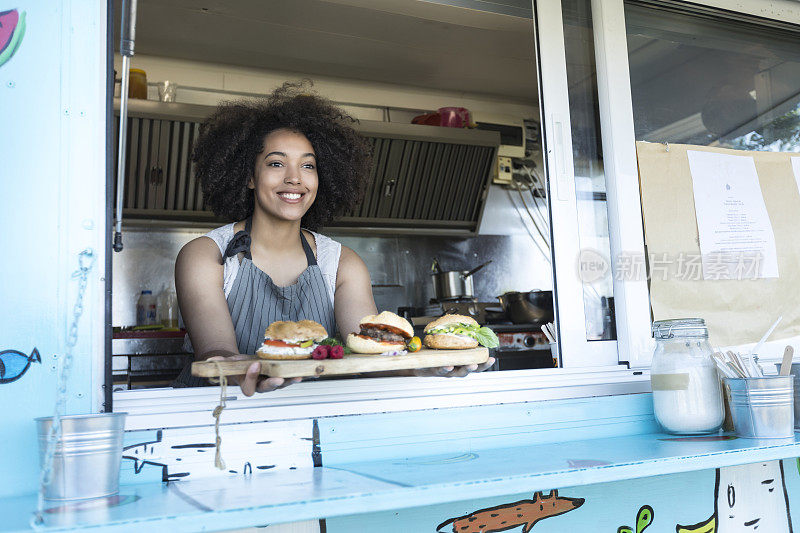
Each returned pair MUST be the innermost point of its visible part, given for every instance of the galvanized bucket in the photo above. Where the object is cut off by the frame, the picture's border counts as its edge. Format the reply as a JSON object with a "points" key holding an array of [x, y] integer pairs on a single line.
{"points": [[762, 408], [87, 457], [796, 374]]}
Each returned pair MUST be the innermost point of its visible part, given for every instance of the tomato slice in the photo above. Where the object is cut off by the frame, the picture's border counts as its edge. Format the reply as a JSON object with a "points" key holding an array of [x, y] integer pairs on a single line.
{"points": [[270, 342]]}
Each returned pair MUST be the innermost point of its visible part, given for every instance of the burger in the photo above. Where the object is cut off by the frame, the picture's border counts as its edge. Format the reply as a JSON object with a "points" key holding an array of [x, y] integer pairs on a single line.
{"points": [[458, 332], [381, 333], [291, 340]]}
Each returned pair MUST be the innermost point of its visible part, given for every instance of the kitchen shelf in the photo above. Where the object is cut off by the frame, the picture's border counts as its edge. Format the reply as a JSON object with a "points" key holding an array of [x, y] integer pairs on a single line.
{"points": [[149, 334]]}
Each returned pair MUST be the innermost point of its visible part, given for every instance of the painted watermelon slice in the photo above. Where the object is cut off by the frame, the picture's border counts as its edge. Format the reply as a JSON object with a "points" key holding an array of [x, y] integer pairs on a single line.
{"points": [[8, 23], [12, 30]]}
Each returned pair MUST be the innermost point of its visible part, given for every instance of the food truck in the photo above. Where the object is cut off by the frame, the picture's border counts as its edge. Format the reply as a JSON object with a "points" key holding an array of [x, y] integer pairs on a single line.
{"points": [[610, 186]]}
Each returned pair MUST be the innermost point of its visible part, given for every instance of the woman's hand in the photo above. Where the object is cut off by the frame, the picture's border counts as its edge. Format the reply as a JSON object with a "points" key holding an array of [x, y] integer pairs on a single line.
{"points": [[252, 381], [453, 371]]}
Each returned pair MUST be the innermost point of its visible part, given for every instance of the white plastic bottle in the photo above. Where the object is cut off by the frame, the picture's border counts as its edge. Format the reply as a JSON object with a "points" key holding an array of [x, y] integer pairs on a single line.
{"points": [[168, 308], [146, 309]]}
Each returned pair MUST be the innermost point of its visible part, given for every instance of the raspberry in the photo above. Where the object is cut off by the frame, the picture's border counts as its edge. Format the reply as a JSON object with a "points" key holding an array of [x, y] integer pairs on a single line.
{"points": [[320, 352], [336, 352]]}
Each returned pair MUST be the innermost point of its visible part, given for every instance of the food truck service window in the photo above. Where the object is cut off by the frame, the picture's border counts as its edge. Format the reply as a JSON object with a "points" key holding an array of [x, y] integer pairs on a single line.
{"points": [[580, 212]]}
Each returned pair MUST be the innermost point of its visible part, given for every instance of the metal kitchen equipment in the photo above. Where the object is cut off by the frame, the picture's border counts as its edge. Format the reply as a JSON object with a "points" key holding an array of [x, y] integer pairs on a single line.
{"points": [[522, 346], [146, 359], [426, 179], [87, 456], [453, 284], [482, 312], [762, 408], [795, 373], [533, 307], [127, 43]]}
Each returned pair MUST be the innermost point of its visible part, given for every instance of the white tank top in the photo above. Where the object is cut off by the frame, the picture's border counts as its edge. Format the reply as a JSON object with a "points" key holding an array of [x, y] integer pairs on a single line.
{"points": [[328, 252]]}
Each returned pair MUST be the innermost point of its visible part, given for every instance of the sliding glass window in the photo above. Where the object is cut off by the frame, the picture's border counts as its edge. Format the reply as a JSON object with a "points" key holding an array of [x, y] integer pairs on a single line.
{"points": [[701, 78]]}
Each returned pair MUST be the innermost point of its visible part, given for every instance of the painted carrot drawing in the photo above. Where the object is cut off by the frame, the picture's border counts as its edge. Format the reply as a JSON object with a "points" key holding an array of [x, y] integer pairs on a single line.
{"points": [[511, 515]]}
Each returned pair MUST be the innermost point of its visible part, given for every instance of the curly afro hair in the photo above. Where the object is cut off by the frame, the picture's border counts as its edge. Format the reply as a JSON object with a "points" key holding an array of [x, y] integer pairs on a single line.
{"points": [[230, 140]]}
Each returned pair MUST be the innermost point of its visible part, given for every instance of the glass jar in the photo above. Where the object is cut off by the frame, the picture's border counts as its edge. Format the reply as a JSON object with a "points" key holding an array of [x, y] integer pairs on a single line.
{"points": [[687, 396], [137, 84]]}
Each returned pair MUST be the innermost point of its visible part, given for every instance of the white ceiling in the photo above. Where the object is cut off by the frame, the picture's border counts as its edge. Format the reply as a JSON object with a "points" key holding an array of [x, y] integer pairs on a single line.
{"points": [[410, 42]]}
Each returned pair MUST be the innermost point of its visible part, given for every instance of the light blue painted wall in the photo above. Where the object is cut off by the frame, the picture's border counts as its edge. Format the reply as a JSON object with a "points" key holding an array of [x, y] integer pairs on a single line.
{"points": [[52, 181], [678, 499]]}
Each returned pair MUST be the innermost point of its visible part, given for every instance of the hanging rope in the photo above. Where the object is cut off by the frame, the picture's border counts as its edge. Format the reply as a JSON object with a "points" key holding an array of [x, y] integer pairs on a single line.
{"points": [[223, 392]]}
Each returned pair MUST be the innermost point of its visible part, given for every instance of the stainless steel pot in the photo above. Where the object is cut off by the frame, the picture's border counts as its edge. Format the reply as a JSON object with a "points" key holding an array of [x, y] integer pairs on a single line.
{"points": [[453, 284], [534, 307]]}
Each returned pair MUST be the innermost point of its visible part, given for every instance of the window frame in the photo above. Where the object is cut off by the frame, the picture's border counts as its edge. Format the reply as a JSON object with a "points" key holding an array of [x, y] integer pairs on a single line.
{"points": [[591, 367], [632, 297]]}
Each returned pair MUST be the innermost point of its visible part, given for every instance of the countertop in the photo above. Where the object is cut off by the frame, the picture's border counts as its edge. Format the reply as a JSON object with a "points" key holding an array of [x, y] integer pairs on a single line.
{"points": [[369, 486]]}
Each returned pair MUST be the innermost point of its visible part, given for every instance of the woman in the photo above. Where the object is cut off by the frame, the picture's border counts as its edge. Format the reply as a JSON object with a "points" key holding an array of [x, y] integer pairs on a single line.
{"points": [[275, 166]]}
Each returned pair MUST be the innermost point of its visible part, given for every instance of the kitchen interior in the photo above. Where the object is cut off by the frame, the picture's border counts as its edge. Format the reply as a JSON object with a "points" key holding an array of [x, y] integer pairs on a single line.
{"points": [[456, 217]]}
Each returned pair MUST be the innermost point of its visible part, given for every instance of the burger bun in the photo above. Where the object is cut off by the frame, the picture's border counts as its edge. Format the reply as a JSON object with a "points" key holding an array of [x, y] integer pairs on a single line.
{"points": [[284, 352], [446, 320], [390, 321], [296, 331], [361, 344], [447, 341]]}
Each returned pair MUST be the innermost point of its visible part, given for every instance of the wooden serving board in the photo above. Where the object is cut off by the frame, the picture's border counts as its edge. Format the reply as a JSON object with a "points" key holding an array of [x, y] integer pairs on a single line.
{"points": [[350, 364]]}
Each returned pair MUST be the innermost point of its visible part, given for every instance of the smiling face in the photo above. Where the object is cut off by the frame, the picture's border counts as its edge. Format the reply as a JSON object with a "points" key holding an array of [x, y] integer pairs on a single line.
{"points": [[285, 177]]}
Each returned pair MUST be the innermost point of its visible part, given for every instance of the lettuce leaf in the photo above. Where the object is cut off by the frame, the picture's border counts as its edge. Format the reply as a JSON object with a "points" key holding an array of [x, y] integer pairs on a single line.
{"points": [[486, 337], [483, 335]]}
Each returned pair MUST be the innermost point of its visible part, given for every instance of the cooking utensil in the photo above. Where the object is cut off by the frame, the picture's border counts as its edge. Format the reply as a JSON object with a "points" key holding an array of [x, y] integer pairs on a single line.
{"points": [[786, 364], [757, 347], [735, 359], [723, 366], [453, 284], [546, 330], [471, 272], [533, 307]]}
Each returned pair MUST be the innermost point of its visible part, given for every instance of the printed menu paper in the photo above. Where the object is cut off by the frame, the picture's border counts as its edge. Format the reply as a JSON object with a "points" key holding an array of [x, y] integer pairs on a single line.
{"points": [[796, 168], [736, 237]]}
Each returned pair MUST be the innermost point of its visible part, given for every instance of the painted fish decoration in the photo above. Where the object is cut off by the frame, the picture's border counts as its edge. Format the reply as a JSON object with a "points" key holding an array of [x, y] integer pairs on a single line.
{"points": [[14, 364]]}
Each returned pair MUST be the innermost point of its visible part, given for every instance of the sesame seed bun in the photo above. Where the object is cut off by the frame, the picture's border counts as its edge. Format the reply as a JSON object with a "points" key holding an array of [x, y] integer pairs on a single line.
{"points": [[446, 341], [296, 331], [446, 320], [389, 321], [366, 345]]}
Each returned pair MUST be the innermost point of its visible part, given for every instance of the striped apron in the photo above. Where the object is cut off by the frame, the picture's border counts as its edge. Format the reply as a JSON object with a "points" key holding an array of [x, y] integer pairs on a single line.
{"points": [[255, 301]]}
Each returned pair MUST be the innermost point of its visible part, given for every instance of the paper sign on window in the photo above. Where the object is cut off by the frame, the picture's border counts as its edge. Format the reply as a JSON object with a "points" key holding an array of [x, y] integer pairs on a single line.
{"points": [[732, 221]]}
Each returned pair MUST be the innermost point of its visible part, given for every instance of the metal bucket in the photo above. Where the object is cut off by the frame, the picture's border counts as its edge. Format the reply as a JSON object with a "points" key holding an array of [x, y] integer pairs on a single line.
{"points": [[762, 408], [87, 458], [796, 374]]}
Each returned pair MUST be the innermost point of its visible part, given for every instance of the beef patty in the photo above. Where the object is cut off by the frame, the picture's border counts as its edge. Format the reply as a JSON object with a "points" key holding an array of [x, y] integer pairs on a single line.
{"points": [[381, 334]]}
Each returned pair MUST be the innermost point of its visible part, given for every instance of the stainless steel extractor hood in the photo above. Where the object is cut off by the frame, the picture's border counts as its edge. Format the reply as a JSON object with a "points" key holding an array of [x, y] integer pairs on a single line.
{"points": [[424, 178]]}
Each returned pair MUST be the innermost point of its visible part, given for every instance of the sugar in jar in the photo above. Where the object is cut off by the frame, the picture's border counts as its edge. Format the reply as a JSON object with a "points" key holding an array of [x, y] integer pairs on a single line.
{"points": [[687, 397]]}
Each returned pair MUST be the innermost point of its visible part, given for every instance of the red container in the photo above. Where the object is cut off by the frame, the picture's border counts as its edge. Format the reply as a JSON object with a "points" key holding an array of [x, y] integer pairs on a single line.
{"points": [[454, 117]]}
